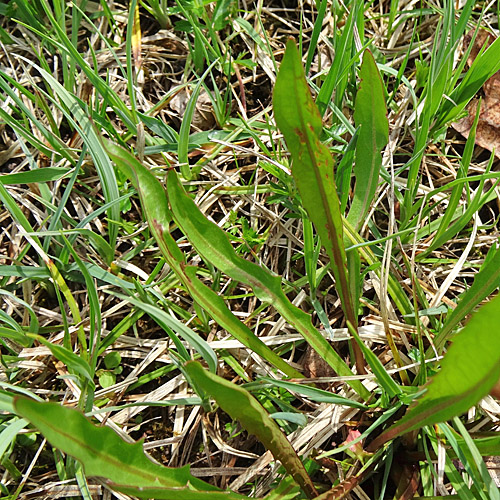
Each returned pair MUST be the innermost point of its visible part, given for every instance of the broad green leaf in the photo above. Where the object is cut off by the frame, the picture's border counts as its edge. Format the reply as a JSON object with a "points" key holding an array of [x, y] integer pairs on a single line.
{"points": [[469, 370], [312, 169], [370, 115], [158, 216], [212, 244], [103, 453], [312, 166], [244, 408]]}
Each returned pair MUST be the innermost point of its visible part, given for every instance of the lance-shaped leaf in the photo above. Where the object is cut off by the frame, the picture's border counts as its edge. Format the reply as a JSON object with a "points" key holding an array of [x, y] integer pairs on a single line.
{"points": [[244, 408], [370, 115], [212, 243], [469, 370], [299, 120], [103, 453], [155, 206]]}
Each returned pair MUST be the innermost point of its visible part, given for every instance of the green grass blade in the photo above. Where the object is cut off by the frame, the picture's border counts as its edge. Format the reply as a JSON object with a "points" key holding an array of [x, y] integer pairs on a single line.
{"points": [[214, 246], [74, 111], [485, 282], [187, 118], [9, 432], [370, 115], [470, 209], [339, 64], [383, 378], [167, 322], [65, 46], [75, 363], [216, 307], [484, 66], [456, 192], [244, 408], [313, 393], [46, 174], [470, 445], [469, 370], [103, 453]]}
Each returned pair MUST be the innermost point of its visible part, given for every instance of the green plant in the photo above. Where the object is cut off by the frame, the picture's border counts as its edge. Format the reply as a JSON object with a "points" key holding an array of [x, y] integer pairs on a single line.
{"points": [[196, 288]]}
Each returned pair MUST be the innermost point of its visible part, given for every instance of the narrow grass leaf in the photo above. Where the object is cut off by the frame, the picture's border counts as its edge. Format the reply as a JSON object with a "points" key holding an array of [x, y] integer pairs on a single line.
{"points": [[314, 393], [489, 445], [9, 432], [370, 115], [78, 116], [456, 192], [244, 408], [484, 66], [342, 59], [318, 26], [103, 453], [469, 370], [46, 174], [470, 446], [485, 282], [169, 322], [212, 244], [75, 363], [187, 118]]}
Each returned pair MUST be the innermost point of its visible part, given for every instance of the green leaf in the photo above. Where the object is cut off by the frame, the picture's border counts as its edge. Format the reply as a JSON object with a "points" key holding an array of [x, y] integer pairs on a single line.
{"points": [[312, 166], [484, 66], [312, 169], [106, 378], [383, 378], [112, 360], [38, 175], [74, 362], [158, 216], [244, 408], [214, 304], [213, 245], [485, 282], [370, 115], [76, 113], [103, 453], [313, 393], [488, 445], [469, 370], [167, 321]]}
